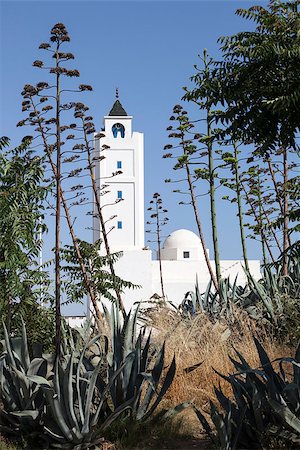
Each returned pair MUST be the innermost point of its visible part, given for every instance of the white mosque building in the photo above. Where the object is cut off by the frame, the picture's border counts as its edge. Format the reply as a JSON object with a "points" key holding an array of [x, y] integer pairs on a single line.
{"points": [[182, 255]]}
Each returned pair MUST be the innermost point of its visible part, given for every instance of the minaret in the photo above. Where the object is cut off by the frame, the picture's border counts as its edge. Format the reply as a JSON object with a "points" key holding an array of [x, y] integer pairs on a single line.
{"points": [[119, 170]]}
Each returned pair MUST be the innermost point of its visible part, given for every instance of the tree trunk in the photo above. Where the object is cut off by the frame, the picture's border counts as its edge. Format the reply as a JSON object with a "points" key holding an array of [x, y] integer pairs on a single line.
{"points": [[213, 214], [201, 235]]}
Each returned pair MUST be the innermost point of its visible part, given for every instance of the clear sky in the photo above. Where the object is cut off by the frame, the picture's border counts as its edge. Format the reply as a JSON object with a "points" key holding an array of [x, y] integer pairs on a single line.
{"points": [[146, 48]]}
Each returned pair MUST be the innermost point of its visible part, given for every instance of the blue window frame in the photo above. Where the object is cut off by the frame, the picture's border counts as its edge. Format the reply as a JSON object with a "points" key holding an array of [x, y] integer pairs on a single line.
{"points": [[120, 195], [120, 225], [119, 164]]}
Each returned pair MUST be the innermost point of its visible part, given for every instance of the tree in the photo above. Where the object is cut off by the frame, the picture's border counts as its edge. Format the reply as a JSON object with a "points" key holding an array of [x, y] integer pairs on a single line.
{"points": [[189, 157], [22, 193], [46, 99], [235, 184], [203, 95], [258, 84], [159, 219], [102, 281]]}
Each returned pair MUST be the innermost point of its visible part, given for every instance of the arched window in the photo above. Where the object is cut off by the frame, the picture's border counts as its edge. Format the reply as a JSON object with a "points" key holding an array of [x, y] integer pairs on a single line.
{"points": [[118, 128]]}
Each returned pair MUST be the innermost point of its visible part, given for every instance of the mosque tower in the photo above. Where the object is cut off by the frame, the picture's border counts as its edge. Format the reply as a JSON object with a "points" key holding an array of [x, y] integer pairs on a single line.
{"points": [[120, 178]]}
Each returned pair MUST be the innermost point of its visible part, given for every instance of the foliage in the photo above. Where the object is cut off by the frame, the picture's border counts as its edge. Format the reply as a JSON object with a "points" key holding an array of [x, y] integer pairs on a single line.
{"points": [[265, 404], [22, 193], [102, 282], [39, 321], [258, 77]]}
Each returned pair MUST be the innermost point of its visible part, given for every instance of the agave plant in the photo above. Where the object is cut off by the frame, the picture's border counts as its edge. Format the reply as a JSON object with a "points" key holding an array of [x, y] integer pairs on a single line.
{"points": [[76, 402], [23, 403], [265, 404], [217, 304], [142, 379]]}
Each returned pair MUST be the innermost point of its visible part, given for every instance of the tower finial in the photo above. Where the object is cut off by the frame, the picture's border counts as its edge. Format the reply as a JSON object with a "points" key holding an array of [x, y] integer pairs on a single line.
{"points": [[117, 92]]}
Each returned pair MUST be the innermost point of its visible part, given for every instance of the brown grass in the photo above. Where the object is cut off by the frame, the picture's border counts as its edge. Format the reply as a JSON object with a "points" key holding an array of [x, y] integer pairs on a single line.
{"points": [[200, 339]]}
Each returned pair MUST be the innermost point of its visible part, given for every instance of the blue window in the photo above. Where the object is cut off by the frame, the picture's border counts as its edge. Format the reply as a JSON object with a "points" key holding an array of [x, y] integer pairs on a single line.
{"points": [[120, 224], [118, 128], [120, 194], [119, 164]]}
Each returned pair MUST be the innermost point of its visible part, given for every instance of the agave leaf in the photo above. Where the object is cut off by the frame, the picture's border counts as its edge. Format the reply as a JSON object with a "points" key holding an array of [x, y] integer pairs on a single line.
{"points": [[106, 390], [220, 427], [159, 364], [24, 348], [166, 384], [222, 399], [33, 414], [257, 409], [116, 413], [39, 380], [205, 425], [169, 413], [296, 367], [8, 347], [57, 437], [130, 332], [89, 397], [68, 393], [22, 386], [264, 359], [58, 415], [192, 368], [36, 365], [286, 414], [292, 396], [79, 365]]}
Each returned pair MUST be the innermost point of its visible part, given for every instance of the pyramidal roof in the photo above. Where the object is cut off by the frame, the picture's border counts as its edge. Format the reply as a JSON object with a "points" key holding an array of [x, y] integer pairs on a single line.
{"points": [[117, 109]]}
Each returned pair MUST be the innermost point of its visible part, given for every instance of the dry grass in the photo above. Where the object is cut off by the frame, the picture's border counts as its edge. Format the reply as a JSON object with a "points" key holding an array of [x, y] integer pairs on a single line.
{"points": [[198, 340]]}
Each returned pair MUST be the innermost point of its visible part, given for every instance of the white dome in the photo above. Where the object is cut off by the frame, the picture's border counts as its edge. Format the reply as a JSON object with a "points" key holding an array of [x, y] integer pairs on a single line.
{"points": [[182, 239]]}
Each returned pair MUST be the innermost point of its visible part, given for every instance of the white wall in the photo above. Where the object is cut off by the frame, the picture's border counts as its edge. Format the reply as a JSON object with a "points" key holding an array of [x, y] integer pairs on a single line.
{"points": [[130, 151], [180, 276]]}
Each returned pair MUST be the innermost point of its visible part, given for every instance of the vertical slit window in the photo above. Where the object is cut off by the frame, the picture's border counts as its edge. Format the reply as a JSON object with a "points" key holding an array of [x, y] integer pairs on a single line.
{"points": [[120, 195], [120, 225], [119, 164]]}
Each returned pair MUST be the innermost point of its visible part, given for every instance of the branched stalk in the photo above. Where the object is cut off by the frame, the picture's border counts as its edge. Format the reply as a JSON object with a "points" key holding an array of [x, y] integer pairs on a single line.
{"points": [[101, 218], [70, 225], [159, 250], [198, 222], [278, 195], [271, 228], [285, 211], [264, 241], [57, 214], [240, 209]]}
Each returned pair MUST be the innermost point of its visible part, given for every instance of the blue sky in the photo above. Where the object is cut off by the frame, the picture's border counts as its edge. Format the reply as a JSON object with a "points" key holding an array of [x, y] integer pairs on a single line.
{"points": [[146, 48]]}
